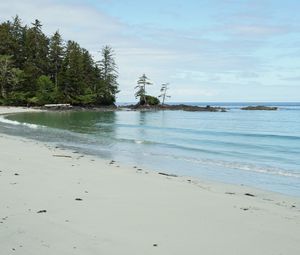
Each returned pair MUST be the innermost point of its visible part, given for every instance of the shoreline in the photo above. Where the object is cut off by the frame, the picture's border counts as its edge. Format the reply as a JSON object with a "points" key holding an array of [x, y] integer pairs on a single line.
{"points": [[55, 200], [13, 110]]}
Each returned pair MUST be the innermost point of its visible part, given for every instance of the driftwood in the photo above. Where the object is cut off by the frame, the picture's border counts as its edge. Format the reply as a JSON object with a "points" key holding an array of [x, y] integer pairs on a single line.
{"points": [[170, 175], [62, 156], [57, 106]]}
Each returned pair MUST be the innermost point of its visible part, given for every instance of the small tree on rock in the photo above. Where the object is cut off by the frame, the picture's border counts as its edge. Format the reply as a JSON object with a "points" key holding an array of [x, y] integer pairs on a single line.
{"points": [[142, 82], [163, 90]]}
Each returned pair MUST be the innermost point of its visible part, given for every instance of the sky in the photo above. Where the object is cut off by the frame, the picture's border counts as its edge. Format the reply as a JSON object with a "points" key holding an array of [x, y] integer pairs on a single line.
{"points": [[208, 50]]}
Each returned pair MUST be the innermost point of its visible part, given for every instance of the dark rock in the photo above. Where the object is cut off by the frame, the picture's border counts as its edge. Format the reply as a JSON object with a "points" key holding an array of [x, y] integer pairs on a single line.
{"points": [[42, 211], [179, 107], [259, 108], [78, 199], [249, 194]]}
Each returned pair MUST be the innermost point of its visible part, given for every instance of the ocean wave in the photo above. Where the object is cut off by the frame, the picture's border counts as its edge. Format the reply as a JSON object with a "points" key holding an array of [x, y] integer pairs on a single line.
{"points": [[197, 148], [242, 166], [17, 123], [205, 132]]}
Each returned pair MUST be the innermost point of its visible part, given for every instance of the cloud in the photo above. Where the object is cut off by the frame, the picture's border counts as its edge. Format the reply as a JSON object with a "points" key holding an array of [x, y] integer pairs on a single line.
{"points": [[292, 78], [257, 31], [200, 59]]}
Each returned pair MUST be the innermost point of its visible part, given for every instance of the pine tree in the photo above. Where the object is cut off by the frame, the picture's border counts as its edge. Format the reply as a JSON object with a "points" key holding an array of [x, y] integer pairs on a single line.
{"points": [[18, 42], [142, 82], [56, 55], [71, 75], [109, 76], [163, 90], [9, 76], [6, 41], [36, 49]]}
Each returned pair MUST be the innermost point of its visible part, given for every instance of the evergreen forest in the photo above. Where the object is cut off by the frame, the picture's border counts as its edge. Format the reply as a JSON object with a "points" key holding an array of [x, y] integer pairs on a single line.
{"points": [[36, 69]]}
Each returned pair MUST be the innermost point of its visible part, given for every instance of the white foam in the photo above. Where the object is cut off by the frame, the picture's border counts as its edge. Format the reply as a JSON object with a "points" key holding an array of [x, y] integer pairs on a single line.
{"points": [[17, 123], [236, 165]]}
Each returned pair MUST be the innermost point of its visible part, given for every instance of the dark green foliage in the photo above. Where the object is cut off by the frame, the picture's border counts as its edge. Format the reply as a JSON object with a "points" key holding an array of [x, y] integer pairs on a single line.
{"points": [[10, 77], [17, 98], [150, 100], [107, 71], [87, 98], [37, 70], [56, 55], [36, 55], [46, 91]]}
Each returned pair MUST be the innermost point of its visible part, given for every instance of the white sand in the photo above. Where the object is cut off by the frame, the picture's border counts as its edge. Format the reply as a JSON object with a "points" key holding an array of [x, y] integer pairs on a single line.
{"points": [[126, 211]]}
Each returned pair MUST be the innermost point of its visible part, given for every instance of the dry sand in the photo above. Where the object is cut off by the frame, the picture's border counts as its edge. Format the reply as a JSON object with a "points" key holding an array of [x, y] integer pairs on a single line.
{"points": [[54, 201]]}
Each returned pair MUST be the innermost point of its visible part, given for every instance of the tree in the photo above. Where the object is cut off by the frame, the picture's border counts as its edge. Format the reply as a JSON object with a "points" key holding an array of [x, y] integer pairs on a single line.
{"points": [[109, 75], [163, 90], [36, 50], [35, 69], [9, 76], [18, 42], [142, 82], [71, 75], [45, 90], [151, 100], [56, 54]]}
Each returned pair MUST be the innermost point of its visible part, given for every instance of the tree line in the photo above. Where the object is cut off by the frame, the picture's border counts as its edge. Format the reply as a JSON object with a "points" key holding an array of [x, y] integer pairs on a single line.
{"points": [[36, 69]]}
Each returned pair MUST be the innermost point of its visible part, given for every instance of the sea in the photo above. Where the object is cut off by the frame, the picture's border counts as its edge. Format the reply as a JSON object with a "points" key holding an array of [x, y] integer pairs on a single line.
{"points": [[255, 148]]}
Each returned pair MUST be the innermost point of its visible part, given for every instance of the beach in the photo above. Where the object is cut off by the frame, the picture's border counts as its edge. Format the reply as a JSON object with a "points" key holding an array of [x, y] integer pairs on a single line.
{"points": [[59, 201]]}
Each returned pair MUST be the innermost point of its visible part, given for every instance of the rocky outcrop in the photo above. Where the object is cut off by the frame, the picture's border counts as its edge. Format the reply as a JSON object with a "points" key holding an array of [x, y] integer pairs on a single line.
{"points": [[260, 108], [179, 107]]}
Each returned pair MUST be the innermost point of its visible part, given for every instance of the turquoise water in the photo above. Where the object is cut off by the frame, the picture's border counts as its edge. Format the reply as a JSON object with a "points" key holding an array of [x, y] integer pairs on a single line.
{"points": [[256, 148]]}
